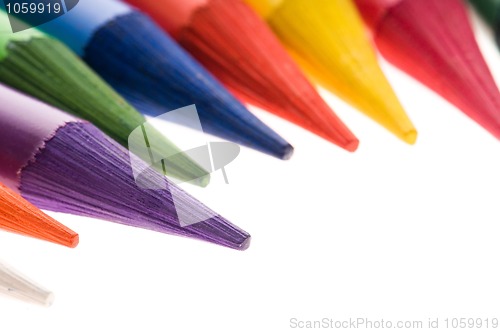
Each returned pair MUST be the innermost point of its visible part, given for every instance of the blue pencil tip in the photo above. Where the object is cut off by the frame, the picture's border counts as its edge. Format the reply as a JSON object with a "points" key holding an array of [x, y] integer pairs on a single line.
{"points": [[150, 70]]}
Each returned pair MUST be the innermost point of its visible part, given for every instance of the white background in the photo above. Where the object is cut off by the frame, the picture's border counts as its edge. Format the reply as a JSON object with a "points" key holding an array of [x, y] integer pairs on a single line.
{"points": [[391, 232]]}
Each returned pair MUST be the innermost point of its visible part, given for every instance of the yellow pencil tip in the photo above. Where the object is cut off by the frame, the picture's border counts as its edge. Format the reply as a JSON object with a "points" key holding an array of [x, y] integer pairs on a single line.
{"points": [[328, 40], [410, 137]]}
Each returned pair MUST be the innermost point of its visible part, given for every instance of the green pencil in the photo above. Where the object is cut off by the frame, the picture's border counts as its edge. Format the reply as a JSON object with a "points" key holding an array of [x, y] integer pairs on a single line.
{"points": [[42, 67], [490, 11]]}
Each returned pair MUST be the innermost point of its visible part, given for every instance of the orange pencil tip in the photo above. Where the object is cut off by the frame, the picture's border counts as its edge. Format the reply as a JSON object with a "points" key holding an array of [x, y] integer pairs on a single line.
{"points": [[73, 241]]}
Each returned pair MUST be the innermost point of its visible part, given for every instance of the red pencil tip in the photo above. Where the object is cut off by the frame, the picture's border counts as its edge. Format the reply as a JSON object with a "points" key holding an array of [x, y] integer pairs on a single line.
{"points": [[240, 50], [434, 42], [352, 146]]}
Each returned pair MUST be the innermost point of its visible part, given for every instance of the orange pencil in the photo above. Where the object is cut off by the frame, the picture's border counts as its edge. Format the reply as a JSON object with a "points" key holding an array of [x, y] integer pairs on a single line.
{"points": [[19, 216]]}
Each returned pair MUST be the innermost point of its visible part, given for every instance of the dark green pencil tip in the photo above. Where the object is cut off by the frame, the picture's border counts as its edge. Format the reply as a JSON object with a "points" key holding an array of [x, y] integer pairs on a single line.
{"points": [[489, 10]]}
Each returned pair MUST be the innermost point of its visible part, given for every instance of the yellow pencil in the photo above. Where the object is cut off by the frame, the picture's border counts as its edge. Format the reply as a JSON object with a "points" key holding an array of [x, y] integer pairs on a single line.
{"points": [[328, 39]]}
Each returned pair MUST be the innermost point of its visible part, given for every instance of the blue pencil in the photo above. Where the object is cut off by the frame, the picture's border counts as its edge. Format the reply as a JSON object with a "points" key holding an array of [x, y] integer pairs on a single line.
{"points": [[154, 74]]}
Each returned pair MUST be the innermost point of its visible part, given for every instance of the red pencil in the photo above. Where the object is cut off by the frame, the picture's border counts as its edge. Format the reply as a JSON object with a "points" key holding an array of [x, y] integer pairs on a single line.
{"points": [[434, 42], [231, 41]]}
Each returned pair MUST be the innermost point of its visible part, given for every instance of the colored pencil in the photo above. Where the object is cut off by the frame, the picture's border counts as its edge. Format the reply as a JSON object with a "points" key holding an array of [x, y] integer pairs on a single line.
{"points": [[328, 39], [41, 66], [238, 48], [13, 284], [67, 165], [490, 11], [155, 74], [19, 216], [433, 41]]}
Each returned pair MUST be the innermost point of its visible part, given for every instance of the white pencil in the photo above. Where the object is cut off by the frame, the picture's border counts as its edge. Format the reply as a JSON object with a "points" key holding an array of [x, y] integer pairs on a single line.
{"points": [[14, 284]]}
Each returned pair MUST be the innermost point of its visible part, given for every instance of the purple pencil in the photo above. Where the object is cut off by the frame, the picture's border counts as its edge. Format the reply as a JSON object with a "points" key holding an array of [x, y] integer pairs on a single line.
{"points": [[64, 164]]}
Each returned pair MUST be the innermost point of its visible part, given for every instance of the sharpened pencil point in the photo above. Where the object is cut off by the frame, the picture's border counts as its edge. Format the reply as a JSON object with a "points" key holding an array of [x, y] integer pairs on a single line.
{"points": [[237, 47], [74, 241], [352, 146], [328, 39], [63, 164], [410, 137], [19, 216], [288, 152], [40, 66], [16, 285], [245, 244], [433, 41], [138, 59]]}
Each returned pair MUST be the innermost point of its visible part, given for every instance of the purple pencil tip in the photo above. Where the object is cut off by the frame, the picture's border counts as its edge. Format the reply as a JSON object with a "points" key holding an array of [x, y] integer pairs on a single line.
{"points": [[81, 171], [245, 244]]}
